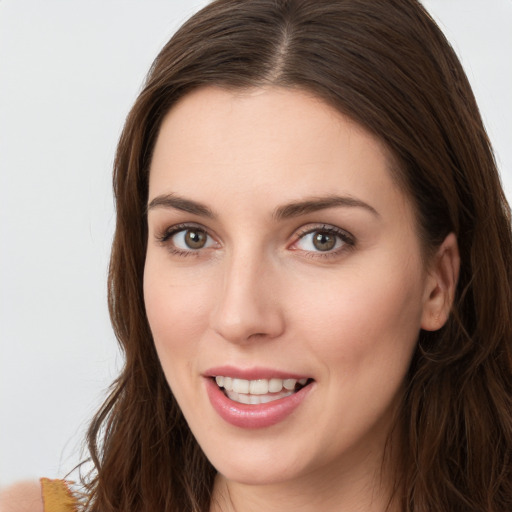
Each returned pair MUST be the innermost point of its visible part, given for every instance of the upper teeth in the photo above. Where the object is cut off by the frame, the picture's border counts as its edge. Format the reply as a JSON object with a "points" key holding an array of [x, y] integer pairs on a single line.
{"points": [[259, 386]]}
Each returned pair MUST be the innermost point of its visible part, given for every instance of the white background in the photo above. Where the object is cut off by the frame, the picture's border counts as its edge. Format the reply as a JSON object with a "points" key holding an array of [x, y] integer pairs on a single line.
{"points": [[69, 72]]}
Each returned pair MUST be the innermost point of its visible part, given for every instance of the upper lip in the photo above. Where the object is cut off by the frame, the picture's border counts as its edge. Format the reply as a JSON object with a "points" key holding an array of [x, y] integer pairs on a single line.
{"points": [[253, 373]]}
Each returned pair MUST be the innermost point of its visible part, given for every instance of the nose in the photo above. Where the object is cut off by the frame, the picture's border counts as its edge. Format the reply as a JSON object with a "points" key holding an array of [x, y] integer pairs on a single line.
{"points": [[248, 306]]}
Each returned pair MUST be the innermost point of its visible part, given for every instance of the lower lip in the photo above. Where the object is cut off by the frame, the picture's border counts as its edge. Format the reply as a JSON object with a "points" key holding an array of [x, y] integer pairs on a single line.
{"points": [[253, 416]]}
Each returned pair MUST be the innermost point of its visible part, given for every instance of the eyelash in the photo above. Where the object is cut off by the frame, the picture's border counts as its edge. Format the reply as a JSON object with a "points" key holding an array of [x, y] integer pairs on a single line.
{"points": [[348, 241], [174, 230]]}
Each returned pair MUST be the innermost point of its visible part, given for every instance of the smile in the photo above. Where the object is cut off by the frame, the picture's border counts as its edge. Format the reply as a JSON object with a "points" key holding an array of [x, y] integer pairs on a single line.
{"points": [[259, 391], [256, 401]]}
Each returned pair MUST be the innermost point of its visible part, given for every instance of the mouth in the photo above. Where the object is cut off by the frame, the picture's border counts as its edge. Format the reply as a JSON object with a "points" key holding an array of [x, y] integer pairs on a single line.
{"points": [[259, 391]]}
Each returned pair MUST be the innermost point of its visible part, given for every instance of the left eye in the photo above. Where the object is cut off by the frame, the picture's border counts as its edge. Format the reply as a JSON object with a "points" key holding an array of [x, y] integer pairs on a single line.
{"points": [[321, 240], [191, 239]]}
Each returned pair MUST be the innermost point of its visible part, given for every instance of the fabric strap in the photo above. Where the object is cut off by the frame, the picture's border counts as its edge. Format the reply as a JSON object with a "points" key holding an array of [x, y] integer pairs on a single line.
{"points": [[57, 496]]}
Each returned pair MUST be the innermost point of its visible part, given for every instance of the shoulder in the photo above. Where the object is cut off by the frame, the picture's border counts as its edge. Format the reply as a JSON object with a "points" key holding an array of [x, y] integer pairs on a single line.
{"points": [[22, 497]]}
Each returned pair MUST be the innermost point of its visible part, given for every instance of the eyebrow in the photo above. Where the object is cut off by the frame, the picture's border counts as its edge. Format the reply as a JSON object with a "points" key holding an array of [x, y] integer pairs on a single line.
{"points": [[180, 203], [287, 211], [315, 204]]}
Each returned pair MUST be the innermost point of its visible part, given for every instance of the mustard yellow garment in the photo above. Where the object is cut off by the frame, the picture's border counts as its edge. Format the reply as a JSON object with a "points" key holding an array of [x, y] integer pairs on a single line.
{"points": [[57, 496]]}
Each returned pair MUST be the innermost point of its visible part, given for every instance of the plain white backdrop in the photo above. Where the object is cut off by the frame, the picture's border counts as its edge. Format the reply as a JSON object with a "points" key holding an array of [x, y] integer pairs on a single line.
{"points": [[69, 72]]}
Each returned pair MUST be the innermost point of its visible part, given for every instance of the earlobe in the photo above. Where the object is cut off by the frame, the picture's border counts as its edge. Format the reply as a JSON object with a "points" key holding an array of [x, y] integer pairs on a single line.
{"points": [[441, 284]]}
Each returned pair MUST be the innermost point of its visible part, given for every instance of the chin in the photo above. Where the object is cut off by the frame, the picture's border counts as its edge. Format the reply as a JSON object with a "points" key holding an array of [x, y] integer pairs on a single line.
{"points": [[259, 474], [256, 461]]}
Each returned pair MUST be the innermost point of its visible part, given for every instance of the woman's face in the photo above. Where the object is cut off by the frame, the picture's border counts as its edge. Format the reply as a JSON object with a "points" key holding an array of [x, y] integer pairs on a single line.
{"points": [[282, 260]]}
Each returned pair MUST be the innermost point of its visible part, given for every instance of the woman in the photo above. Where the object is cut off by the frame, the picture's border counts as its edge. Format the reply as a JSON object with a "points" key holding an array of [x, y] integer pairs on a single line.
{"points": [[311, 272]]}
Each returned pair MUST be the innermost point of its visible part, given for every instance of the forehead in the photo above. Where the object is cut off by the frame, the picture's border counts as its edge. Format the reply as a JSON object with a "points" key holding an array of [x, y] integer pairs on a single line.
{"points": [[267, 143]]}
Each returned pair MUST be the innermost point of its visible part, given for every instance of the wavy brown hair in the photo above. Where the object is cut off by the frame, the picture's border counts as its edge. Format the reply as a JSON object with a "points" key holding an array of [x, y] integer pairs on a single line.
{"points": [[386, 65]]}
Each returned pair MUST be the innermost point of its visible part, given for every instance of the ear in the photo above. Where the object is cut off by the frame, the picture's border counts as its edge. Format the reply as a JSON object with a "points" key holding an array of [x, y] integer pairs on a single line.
{"points": [[441, 283]]}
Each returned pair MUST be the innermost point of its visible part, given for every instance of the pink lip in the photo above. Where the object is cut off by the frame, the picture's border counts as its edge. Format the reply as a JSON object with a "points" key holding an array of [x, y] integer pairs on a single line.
{"points": [[253, 416], [251, 373]]}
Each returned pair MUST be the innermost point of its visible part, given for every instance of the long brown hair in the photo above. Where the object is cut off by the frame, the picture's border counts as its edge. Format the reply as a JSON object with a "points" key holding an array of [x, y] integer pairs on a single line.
{"points": [[386, 65]]}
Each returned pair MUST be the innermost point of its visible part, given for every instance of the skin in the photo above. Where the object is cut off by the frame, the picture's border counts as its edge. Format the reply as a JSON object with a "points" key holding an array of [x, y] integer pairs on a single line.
{"points": [[261, 294], [22, 497]]}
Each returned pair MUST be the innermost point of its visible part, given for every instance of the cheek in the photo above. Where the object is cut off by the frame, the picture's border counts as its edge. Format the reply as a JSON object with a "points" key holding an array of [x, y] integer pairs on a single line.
{"points": [[362, 331], [177, 313], [177, 318], [363, 318]]}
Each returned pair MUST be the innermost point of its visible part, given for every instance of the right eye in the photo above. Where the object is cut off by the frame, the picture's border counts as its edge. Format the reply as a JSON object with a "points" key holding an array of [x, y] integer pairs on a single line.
{"points": [[187, 239], [190, 239]]}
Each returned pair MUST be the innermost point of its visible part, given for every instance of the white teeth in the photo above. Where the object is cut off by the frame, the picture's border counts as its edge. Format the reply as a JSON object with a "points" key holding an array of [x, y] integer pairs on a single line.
{"points": [[228, 383], [275, 385], [258, 387], [289, 384], [256, 399], [242, 398], [241, 386]]}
